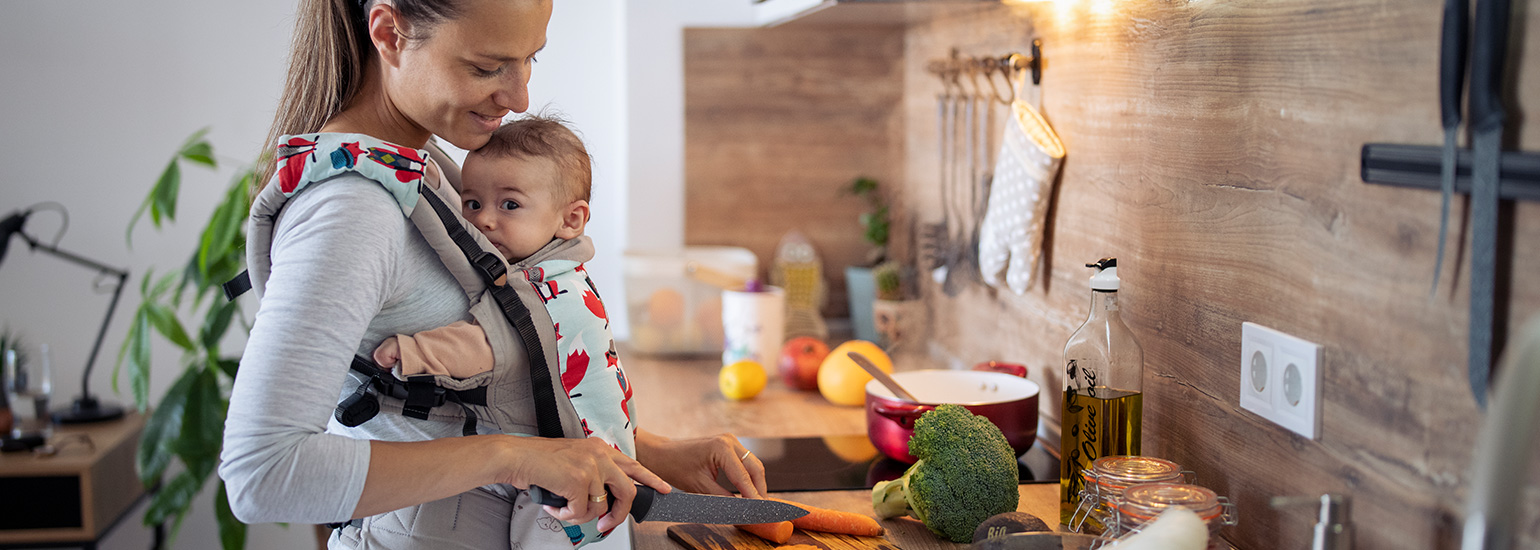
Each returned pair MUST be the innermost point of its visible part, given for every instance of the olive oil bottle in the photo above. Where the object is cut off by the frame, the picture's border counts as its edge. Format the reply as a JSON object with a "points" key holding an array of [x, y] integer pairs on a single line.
{"points": [[1103, 382]]}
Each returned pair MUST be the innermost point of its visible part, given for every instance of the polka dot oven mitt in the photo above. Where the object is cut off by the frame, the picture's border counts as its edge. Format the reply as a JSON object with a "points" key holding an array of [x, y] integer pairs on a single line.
{"points": [[1011, 236]]}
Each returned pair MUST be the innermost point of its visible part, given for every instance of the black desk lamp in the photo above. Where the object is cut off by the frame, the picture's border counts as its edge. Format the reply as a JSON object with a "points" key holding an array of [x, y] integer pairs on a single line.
{"points": [[84, 408]]}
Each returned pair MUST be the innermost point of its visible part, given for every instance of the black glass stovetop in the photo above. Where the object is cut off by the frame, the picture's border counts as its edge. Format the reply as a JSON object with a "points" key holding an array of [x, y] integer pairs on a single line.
{"points": [[851, 462]]}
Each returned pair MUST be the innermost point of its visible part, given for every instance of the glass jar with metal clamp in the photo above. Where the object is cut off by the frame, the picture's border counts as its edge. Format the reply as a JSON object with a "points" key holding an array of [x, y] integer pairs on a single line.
{"points": [[1141, 503], [1106, 480]]}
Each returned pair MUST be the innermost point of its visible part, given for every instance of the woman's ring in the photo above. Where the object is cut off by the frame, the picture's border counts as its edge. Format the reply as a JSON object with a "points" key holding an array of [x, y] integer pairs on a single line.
{"points": [[745, 456], [599, 498]]}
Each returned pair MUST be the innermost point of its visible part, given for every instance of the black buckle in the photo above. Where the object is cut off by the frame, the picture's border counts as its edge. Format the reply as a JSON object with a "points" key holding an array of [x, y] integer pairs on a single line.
{"points": [[491, 267], [421, 396]]}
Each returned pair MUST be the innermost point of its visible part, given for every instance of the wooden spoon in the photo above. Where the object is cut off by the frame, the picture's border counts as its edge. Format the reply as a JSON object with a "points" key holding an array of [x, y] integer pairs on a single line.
{"points": [[882, 377]]}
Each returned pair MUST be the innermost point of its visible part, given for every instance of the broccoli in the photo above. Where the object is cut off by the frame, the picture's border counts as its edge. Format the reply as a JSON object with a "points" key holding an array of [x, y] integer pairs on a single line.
{"points": [[966, 473]]}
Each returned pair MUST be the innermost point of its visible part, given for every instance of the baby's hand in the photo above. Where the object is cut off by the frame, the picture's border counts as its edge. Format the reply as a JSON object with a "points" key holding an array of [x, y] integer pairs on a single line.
{"points": [[388, 354]]}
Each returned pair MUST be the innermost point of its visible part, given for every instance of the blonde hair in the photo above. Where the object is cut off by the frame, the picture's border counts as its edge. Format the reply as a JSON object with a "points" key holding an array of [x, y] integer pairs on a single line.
{"points": [[327, 57], [546, 136]]}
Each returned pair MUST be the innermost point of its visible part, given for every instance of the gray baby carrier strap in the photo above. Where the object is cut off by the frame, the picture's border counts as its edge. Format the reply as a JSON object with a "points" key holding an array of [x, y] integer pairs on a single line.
{"points": [[519, 395]]}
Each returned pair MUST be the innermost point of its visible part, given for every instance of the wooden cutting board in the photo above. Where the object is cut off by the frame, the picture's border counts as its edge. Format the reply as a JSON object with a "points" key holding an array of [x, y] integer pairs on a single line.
{"points": [[694, 536]]}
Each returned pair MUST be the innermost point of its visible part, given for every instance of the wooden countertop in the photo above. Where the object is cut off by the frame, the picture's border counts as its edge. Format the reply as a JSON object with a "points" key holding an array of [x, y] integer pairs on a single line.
{"points": [[679, 398]]}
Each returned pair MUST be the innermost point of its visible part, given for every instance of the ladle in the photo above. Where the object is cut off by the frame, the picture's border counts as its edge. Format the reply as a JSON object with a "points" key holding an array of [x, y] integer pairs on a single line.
{"points": [[882, 377]]}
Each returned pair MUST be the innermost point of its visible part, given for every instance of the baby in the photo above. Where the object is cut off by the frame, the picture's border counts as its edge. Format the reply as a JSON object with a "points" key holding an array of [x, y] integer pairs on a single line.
{"points": [[529, 185]]}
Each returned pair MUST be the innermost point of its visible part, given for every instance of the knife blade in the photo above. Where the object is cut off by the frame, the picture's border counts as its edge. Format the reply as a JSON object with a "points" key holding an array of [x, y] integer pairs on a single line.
{"points": [[681, 507], [1487, 118], [1451, 77]]}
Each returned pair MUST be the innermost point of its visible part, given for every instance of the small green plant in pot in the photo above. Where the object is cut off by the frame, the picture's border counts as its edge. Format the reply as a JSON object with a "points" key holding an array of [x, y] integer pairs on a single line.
{"points": [[896, 318], [187, 425], [859, 284]]}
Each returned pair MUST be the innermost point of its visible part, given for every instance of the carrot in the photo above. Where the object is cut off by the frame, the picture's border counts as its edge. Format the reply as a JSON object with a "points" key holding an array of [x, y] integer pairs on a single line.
{"points": [[777, 533], [835, 521], [798, 547]]}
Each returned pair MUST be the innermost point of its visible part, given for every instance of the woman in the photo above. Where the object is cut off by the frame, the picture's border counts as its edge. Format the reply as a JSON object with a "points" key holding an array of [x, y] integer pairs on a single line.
{"points": [[349, 270]]}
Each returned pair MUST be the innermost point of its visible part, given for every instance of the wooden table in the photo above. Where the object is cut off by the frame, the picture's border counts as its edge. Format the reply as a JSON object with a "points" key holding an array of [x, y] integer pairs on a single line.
{"points": [[679, 398], [74, 497]]}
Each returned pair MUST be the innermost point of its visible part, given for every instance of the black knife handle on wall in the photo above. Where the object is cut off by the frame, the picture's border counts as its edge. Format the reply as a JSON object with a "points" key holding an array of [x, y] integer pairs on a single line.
{"points": [[1489, 48], [639, 506], [1451, 60]]}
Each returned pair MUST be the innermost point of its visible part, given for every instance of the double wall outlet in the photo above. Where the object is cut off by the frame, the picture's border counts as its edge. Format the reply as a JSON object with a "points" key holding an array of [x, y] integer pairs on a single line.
{"points": [[1281, 378]]}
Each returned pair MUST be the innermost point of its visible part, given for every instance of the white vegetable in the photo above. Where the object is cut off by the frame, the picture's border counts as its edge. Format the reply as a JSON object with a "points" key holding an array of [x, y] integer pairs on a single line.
{"points": [[1173, 529]]}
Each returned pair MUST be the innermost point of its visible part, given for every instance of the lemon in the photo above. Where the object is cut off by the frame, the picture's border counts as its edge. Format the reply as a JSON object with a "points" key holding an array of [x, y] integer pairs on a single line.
{"points": [[742, 380], [841, 380]]}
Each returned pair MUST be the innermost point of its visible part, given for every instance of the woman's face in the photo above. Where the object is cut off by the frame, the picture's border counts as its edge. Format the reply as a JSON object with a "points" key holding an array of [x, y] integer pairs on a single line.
{"points": [[471, 71]]}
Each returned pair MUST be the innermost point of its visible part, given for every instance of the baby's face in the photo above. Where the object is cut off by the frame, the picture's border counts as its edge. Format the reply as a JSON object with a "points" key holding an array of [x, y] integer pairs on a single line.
{"points": [[513, 201]]}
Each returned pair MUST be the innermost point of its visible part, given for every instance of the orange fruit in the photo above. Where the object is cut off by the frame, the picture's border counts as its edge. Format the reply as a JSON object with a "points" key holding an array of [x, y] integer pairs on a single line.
{"points": [[841, 380], [851, 448], [742, 380], [665, 308]]}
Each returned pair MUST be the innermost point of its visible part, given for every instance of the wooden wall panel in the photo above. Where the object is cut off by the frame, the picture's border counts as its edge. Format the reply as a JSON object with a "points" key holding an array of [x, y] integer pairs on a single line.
{"points": [[777, 123], [1213, 148]]}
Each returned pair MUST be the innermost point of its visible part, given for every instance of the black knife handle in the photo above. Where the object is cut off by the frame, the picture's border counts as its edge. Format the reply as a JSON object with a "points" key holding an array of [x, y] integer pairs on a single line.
{"points": [[639, 506], [1451, 60], [1489, 45]]}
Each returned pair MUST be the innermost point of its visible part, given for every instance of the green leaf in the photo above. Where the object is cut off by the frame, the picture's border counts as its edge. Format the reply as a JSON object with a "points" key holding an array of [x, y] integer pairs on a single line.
{"points": [[165, 322], [123, 350], [162, 429], [139, 359], [201, 152], [203, 423], [193, 139], [166, 192], [223, 234], [174, 498], [217, 323], [228, 366], [232, 533]]}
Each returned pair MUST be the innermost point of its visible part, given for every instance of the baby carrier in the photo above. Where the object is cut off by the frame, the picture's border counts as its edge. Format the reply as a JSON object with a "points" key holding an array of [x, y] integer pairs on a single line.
{"points": [[508, 306]]}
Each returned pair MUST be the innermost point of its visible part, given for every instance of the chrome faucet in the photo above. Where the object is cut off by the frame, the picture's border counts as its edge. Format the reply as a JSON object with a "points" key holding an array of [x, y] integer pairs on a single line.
{"points": [[1504, 448], [1334, 526]]}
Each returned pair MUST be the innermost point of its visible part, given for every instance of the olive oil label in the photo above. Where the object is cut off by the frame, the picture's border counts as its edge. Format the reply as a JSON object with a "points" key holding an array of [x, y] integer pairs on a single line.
{"points": [[1097, 421]]}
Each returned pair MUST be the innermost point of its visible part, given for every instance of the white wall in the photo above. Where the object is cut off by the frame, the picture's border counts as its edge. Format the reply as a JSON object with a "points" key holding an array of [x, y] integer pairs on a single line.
{"points": [[96, 96]]}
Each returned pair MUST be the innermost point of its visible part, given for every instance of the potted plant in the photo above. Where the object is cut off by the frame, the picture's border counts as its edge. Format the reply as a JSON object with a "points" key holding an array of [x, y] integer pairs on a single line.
{"points": [[894, 315], [859, 285], [187, 424]]}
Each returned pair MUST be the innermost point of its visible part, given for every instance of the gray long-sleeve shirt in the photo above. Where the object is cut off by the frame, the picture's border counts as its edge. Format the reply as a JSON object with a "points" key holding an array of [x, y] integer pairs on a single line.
{"points": [[348, 271]]}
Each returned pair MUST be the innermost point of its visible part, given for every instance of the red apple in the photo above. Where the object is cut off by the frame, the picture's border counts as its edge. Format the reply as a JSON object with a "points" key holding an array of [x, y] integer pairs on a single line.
{"points": [[800, 359]]}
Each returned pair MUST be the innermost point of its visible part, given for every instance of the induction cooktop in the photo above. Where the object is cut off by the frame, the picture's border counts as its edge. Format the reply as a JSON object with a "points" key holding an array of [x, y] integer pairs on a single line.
{"points": [[848, 462]]}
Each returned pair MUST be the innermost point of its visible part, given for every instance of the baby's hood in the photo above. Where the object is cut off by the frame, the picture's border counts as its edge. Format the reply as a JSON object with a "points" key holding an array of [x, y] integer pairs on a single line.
{"points": [[556, 258]]}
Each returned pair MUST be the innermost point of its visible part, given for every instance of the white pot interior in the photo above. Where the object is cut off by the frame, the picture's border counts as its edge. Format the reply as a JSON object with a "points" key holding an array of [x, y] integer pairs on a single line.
{"points": [[962, 387]]}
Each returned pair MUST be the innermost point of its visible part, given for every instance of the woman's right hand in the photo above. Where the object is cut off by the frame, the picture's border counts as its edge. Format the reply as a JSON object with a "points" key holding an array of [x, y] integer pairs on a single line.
{"points": [[580, 470]]}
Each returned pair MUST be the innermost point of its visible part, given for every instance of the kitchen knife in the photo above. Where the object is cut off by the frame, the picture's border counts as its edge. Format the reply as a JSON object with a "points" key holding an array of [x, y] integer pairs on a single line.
{"points": [[1451, 77], [681, 507], [1487, 117]]}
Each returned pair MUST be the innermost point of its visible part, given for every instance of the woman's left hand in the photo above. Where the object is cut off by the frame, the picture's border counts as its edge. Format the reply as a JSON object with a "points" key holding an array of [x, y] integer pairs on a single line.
{"points": [[692, 464]]}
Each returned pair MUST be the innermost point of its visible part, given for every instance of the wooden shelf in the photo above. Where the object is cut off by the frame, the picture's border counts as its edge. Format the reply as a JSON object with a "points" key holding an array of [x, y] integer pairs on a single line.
{"points": [[76, 495]]}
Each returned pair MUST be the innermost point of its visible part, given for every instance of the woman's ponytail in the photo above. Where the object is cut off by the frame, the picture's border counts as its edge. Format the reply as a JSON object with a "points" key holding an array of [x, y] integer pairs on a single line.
{"points": [[326, 67], [326, 63]]}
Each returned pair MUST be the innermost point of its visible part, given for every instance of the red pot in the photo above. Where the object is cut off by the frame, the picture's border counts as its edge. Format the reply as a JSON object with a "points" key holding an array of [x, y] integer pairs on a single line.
{"points": [[1008, 401]]}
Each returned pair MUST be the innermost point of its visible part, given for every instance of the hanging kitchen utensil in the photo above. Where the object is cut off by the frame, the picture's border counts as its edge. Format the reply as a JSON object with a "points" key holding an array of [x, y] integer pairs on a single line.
{"points": [[934, 241], [958, 262], [1451, 75], [1486, 119], [1010, 241]]}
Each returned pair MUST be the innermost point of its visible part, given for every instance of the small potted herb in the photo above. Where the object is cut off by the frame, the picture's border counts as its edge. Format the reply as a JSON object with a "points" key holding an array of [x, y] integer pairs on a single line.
{"points": [[895, 315], [860, 286]]}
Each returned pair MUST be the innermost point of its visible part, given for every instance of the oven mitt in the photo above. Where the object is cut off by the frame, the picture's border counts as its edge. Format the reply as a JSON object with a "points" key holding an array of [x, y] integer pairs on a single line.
{"points": [[1011, 235]]}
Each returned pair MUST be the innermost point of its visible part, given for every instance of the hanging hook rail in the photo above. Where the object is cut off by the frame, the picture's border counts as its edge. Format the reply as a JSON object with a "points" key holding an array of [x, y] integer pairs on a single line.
{"points": [[951, 69]]}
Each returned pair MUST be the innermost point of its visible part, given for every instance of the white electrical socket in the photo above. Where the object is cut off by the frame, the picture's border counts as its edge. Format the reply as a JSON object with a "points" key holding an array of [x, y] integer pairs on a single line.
{"points": [[1281, 378]]}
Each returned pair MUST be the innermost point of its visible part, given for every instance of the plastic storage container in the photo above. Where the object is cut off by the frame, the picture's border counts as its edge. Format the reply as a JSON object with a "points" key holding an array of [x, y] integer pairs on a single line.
{"points": [[672, 313]]}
